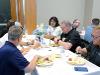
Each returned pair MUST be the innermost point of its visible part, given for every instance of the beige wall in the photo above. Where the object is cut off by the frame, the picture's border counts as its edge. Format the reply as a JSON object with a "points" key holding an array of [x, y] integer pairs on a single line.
{"points": [[88, 12], [91, 11], [85, 10], [96, 9], [63, 9]]}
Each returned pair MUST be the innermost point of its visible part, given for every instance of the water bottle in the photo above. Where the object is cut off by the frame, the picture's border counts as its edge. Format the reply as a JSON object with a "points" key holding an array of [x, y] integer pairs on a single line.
{"points": [[83, 31]]}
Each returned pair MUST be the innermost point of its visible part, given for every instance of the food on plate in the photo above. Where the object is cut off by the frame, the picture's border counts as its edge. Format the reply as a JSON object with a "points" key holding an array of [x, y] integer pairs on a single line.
{"points": [[44, 61], [49, 36], [76, 61], [53, 57], [54, 45], [24, 52]]}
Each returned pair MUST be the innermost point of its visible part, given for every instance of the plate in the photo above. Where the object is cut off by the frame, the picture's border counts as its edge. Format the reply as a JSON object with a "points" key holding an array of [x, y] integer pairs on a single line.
{"points": [[54, 45], [76, 61], [44, 61], [45, 64], [54, 57]]}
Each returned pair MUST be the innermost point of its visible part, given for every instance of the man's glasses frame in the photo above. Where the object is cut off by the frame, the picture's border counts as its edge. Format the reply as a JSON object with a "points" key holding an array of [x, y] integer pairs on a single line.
{"points": [[95, 37]]}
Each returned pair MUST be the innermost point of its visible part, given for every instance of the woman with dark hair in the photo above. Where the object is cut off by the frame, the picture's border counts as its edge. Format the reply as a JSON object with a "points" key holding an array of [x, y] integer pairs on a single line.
{"points": [[53, 21], [54, 29]]}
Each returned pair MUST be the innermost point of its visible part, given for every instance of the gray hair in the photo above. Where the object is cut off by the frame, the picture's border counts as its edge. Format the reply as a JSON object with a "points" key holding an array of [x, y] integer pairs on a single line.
{"points": [[15, 32], [67, 24]]}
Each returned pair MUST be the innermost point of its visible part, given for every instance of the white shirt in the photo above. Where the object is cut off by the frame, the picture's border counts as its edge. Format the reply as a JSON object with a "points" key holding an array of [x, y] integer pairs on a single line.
{"points": [[54, 31], [3, 39]]}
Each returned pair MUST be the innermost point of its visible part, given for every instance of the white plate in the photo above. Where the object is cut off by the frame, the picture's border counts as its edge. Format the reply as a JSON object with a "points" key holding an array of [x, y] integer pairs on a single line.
{"points": [[76, 61], [45, 64]]}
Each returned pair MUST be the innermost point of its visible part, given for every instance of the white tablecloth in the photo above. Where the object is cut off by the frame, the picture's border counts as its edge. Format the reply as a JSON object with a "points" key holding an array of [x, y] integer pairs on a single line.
{"points": [[60, 66]]}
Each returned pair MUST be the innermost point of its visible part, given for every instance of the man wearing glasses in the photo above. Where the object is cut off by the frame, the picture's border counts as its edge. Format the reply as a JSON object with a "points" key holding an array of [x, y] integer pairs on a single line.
{"points": [[92, 51]]}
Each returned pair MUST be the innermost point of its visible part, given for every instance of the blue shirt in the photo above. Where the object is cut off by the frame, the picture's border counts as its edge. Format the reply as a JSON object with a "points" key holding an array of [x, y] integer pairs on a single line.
{"points": [[12, 62], [88, 33]]}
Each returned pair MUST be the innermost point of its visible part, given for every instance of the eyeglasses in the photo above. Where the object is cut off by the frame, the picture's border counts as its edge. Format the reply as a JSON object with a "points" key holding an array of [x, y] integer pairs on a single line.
{"points": [[95, 37]]}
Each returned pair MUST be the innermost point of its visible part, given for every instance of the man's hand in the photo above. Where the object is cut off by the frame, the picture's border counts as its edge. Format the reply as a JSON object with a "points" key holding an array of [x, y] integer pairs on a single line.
{"points": [[81, 50], [56, 40]]}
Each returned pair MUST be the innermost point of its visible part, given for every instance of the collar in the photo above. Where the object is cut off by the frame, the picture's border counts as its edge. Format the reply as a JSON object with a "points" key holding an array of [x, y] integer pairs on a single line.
{"points": [[69, 32], [9, 43]]}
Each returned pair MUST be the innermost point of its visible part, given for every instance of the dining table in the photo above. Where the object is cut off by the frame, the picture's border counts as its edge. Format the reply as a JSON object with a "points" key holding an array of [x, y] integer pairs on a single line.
{"points": [[60, 66]]}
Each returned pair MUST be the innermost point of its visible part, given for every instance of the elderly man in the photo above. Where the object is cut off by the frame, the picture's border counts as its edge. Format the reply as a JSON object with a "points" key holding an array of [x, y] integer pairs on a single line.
{"points": [[92, 51], [12, 62], [70, 38]]}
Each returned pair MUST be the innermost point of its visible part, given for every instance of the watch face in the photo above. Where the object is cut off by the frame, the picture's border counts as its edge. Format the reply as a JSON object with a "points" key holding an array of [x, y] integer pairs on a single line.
{"points": [[63, 39]]}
